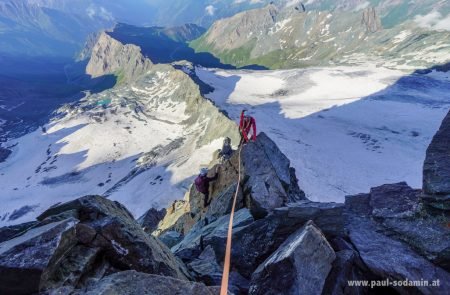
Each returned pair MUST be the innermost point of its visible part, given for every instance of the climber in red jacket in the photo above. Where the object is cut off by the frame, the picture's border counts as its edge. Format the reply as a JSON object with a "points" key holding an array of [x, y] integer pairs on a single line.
{"points": [[246, 123]]}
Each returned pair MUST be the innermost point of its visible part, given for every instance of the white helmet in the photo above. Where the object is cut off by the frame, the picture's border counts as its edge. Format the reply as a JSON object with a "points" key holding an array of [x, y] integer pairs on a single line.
{"points": [[203, 171]]}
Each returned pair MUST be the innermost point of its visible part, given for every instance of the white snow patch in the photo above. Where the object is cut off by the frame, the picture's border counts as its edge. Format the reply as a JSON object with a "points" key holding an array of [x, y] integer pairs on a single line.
{"points": [[345, 129]]}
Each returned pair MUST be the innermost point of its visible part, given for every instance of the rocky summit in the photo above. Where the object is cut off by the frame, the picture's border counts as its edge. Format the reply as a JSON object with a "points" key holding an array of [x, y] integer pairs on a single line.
{"points": [[283, 243]]}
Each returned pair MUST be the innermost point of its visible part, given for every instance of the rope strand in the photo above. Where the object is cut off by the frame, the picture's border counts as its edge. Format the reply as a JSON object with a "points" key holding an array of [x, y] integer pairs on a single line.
{"points": [[227, 261]]}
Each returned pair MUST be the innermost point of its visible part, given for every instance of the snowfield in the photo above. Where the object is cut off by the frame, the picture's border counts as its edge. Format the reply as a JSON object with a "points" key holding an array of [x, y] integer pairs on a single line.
{"points": [[129, 144], [345, 129]]}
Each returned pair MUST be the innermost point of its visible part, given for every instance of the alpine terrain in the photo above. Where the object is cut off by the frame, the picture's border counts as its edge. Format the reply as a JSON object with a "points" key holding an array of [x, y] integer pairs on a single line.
{"points": [[224, 147]]}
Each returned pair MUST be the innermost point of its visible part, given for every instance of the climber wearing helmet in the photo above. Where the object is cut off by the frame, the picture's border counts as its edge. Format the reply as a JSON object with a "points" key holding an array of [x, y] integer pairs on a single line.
{"points": [[246, 123], [202, 184], [227, 151]]}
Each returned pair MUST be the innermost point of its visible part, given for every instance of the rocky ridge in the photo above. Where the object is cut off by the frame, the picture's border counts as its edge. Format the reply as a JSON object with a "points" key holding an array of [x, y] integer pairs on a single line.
{"points": [[282, 242], [286, 37]]}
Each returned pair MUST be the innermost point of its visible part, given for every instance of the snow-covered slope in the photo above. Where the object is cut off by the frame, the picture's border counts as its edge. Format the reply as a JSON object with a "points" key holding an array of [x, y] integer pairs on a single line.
{"points": [[345, 129], [138, 143]]}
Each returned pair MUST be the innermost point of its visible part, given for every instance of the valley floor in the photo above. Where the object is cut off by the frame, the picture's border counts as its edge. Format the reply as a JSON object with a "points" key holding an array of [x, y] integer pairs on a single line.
{"points": [[345, 129]]}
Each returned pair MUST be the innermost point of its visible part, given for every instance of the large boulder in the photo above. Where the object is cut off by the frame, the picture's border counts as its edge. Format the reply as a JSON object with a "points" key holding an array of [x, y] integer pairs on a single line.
{"points": [[396, 209], [327, 216], [299, 266], [79, 240], [206, 269], [436, 169], [213, 234], [25, 259], [133, 283], [389, 258]]}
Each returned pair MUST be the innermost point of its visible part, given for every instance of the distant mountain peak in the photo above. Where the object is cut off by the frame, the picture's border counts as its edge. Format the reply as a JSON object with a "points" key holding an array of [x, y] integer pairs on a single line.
{"points": [[109, 56]]}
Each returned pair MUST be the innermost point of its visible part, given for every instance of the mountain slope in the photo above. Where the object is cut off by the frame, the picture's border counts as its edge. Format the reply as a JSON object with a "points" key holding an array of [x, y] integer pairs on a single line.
{"points": [[149, 135], [288, 37], [30, 29]]}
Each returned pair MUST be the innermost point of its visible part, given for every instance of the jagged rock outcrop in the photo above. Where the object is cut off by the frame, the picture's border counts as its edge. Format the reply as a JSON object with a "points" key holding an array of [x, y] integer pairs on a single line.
{"points": [[299, 266], [109, 57], [89, 246], [267, 182], [149, 221], [436, 169], [85, 238], [9, 232], [371, 20]]}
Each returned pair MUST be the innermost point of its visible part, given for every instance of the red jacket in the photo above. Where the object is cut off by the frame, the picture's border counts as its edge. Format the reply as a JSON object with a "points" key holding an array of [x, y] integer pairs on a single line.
{"points": [[245, 124]]}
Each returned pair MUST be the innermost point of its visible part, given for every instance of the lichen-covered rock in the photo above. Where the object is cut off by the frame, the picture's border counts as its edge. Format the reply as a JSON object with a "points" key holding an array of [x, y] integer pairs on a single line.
{"points": [[436, 169], [299, 266]]}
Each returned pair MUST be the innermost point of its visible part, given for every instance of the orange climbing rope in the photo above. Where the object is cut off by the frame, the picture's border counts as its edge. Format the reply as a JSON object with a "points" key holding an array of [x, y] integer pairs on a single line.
{"points": [[227, 261]]}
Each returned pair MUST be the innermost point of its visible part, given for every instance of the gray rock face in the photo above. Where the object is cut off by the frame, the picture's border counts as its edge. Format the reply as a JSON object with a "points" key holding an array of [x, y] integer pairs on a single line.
{"points": [[327, 216], [206, 269], [9, 232], [95, 237], [299, 266], [389, 258], [267, 180], [109, 56], [397, 210], [133, 283], [268, 177], [222, 204], [149, 221], [24, 259], [394, 200], [213, 234], [170, 238], [436, 169], [387, 229]]}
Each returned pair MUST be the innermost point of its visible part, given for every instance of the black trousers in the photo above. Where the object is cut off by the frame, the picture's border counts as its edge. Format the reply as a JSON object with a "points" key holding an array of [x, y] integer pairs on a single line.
{"points": [[205, 200]]}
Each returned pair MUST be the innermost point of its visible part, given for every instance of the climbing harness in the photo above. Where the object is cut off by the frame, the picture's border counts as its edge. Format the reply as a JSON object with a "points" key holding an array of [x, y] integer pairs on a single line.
{"points": [[227, 261]]}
